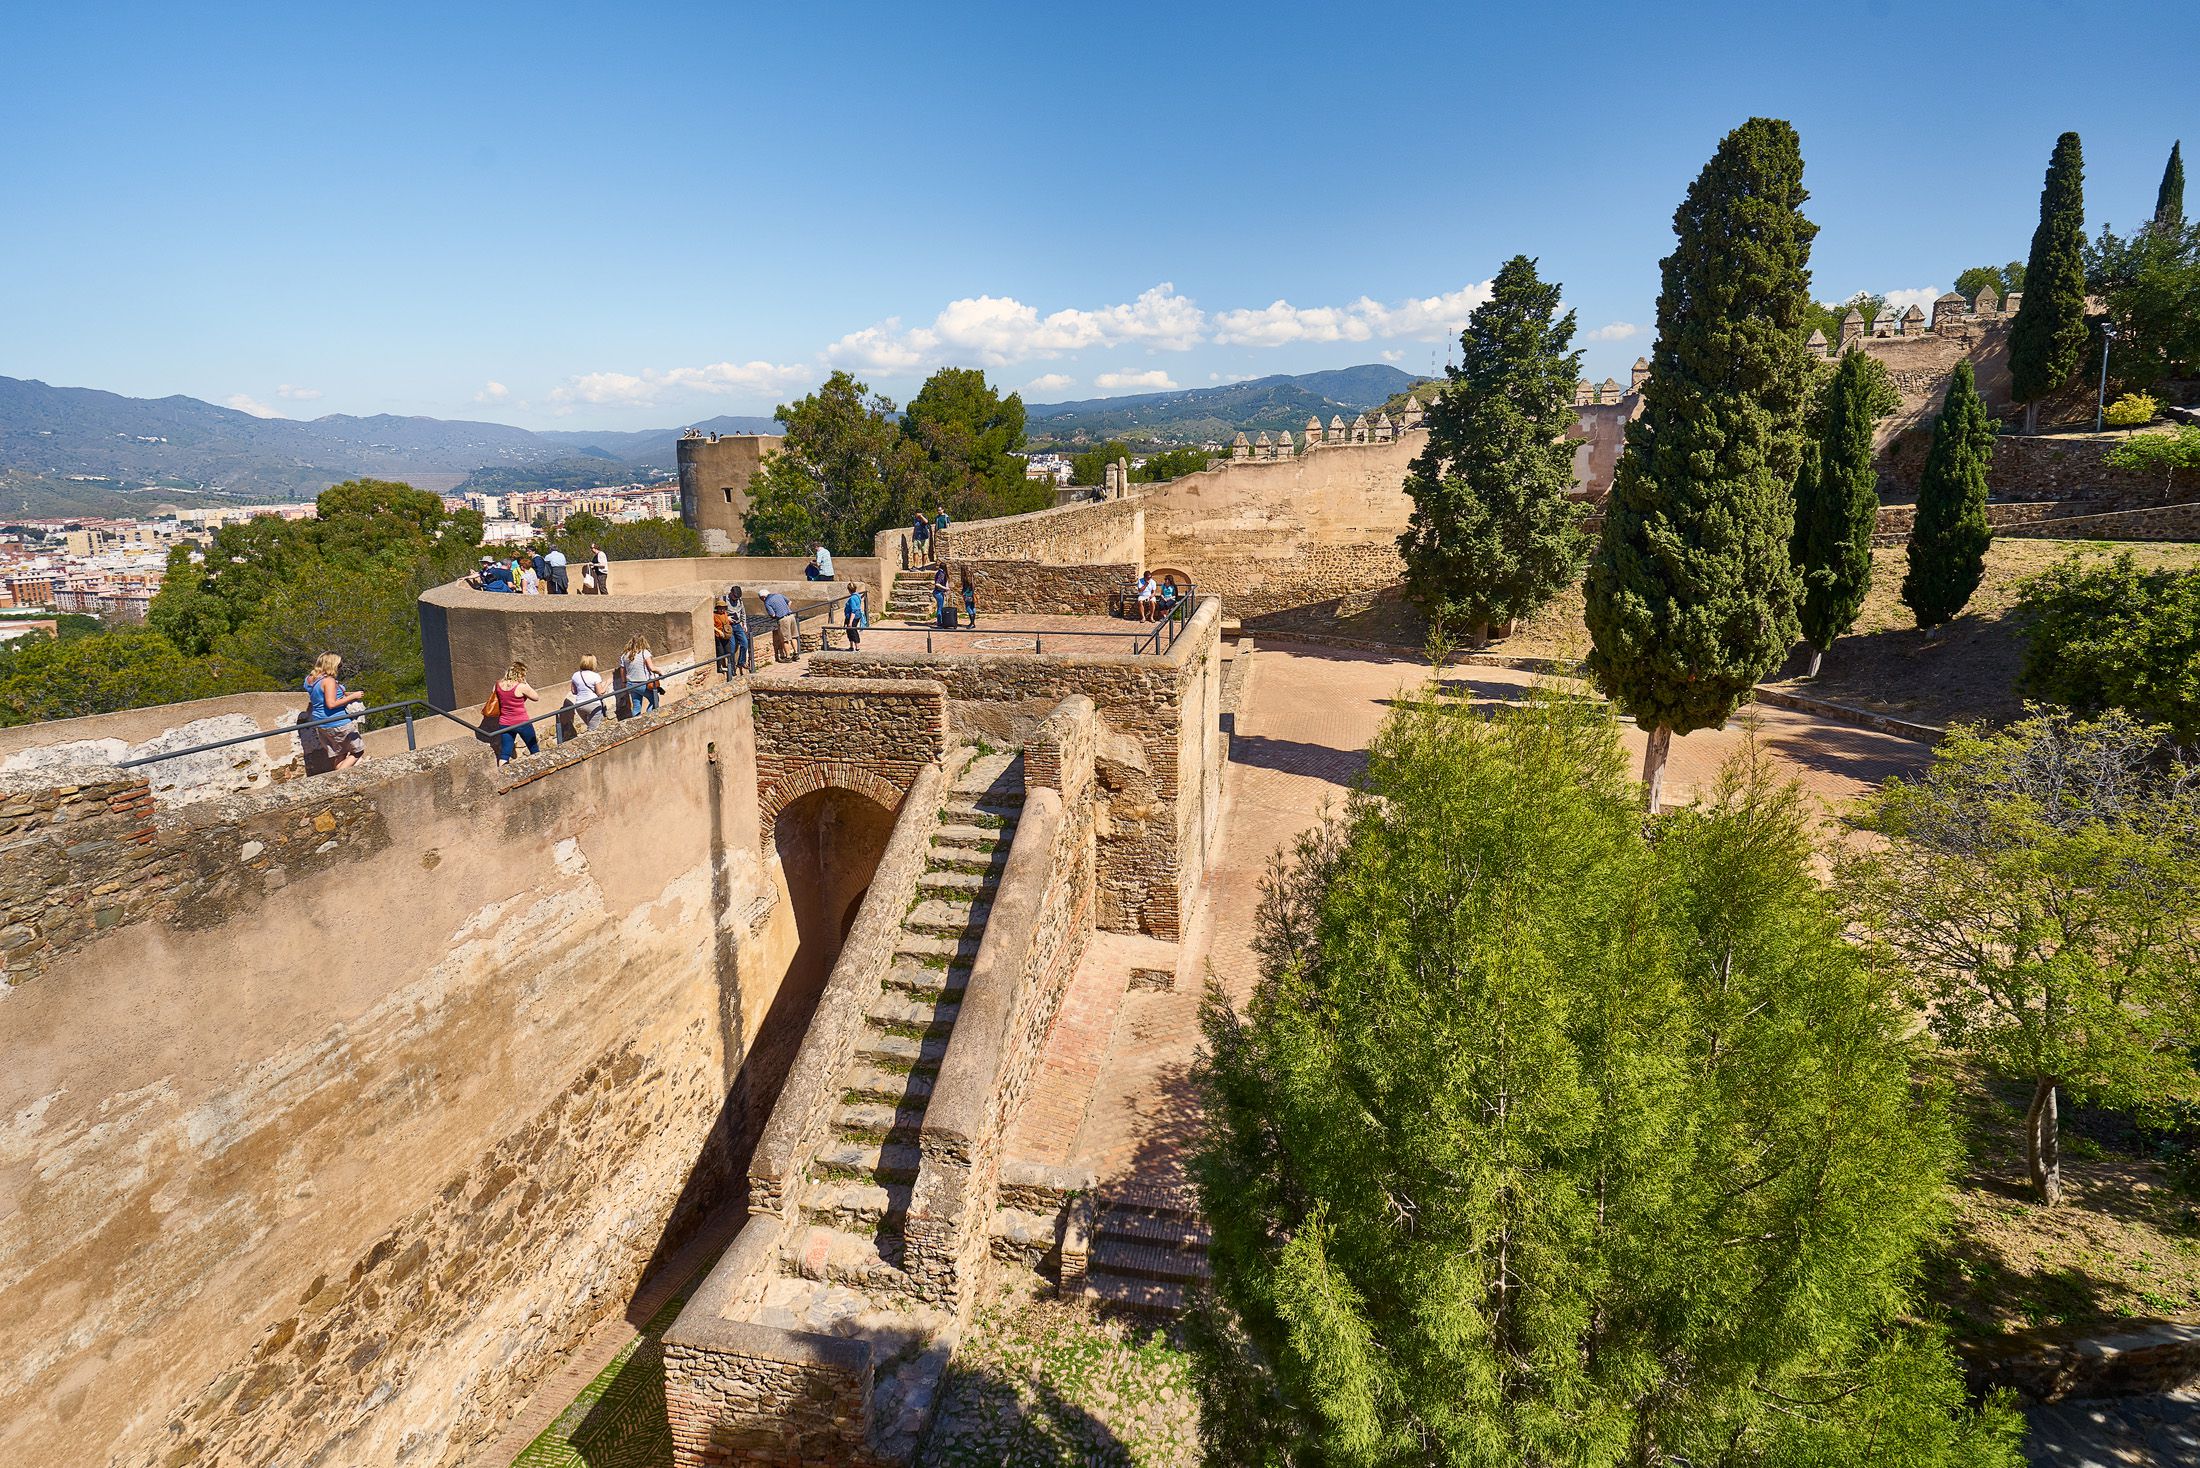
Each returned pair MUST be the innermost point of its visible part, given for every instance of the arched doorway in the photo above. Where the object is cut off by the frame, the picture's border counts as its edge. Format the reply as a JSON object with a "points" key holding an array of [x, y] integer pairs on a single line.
{"points": [[828, 843]]}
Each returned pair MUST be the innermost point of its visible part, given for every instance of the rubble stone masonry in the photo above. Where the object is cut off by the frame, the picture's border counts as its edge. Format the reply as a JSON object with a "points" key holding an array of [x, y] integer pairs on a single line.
{"points": [[341, 1111]]}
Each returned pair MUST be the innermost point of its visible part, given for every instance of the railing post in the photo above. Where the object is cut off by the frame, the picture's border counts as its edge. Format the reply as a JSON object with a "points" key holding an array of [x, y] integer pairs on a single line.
{"points": [[409, 744]]}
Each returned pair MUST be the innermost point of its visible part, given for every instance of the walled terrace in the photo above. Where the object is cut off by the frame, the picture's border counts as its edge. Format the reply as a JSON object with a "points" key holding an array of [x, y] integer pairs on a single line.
{"points": [[342, 1109]]}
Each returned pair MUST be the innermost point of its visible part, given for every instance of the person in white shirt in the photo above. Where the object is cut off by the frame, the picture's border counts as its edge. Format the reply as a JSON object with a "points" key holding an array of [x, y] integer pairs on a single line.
{"points": [[530, 584], [553, 571], [603, 570], [587, 697], [824, 559], [1145, 598]]}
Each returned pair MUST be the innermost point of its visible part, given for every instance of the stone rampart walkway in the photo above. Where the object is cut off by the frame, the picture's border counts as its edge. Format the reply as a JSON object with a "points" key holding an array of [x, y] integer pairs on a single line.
{"points": [[1114, 1089]]}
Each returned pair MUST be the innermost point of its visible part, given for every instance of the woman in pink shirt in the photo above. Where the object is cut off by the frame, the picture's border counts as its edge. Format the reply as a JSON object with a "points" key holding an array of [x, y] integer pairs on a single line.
{"points": [[513, 696]]}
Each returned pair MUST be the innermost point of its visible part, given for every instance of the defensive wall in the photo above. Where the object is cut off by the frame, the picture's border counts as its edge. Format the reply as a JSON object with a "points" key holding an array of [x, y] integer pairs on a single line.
{"points": [[342, 1109], [1159, 753], [1065, 561], [468, 637]]}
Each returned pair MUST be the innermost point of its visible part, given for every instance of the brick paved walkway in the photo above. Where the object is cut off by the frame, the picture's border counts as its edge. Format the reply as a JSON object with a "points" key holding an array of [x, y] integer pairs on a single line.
{"points": [[1113, 1090]]}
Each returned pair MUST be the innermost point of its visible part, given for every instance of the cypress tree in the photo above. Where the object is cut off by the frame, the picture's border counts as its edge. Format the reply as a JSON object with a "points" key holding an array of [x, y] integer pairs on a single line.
{"points": [[1493, 534], [1837, 503], [2048, 336], [1948, 538], [2169, 200], [1691, 592]]}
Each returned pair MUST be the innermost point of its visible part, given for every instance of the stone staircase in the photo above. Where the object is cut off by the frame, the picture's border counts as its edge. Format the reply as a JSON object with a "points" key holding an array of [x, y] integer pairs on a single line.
{"points": [[911, 598], [1146, 1257], [841, 1270]]}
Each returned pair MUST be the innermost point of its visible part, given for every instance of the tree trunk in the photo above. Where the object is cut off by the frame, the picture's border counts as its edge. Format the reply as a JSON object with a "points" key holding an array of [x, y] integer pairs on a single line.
{"points": [[1505, 628], [2031, 418], [1478, 635], [1817, 656], [2043, 1143], [1653, 764]]}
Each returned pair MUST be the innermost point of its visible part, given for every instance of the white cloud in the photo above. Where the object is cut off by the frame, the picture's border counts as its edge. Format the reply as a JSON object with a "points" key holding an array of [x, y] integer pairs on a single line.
{"points": [[628, 389], [1050, 382], [297, 394], [1280, 323], [245, 403], [1153, 381], [997, 331], [1391, 354], [492, 392], [1617, 331], [1922, 297]]}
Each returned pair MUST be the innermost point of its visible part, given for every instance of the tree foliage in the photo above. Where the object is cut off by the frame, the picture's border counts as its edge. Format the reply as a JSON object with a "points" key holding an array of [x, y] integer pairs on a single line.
{"points": [[2149, 283], [1837, 498], [851, 465], [2047, 339], [1494, 534], [105, 672], [969, 435], [2169, 199], [624, 540], [2107, 635], [1091, 466], [1691, 593], [274, 594], [1819, 316], [1949, 534], [1543, 1142], [2004, 280], [2041, 885], [2162, 453]]}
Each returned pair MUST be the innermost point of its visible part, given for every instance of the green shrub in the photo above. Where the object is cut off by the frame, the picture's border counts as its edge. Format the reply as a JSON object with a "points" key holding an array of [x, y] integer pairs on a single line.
{"points": [[2131, 410], [2109, 635]]}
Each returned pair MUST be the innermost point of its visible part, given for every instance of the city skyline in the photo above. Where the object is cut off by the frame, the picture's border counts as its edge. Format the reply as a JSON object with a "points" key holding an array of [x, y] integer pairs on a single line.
{"points": [[430, 215]]}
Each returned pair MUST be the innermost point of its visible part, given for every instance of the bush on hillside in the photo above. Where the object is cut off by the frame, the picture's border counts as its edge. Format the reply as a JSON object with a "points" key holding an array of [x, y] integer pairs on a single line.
{"points": [[2131, 410], [2107, 635]]}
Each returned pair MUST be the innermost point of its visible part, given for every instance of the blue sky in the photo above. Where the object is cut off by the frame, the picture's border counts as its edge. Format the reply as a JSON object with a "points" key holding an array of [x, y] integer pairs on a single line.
{"points": [[639, 215]]}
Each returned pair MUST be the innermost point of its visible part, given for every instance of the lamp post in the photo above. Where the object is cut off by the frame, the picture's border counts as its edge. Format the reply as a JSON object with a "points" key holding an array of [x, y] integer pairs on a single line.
{"points": [[2100, 398]]}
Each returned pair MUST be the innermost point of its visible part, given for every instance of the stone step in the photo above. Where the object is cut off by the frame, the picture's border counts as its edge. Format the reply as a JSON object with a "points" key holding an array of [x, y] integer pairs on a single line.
{"points": [[856, 1207], [988, 771], [921, 946], [1020, 1231], [984, 839], [946, 919], [998, 814], [1133, 1260], [874, 1119], [1159, 1297], [928, 982], [950, 882], [893, 1087], [1144, 1226], [869, 1260], [969, 859], [888, 1051], [897, 1010], [878, 1162]]}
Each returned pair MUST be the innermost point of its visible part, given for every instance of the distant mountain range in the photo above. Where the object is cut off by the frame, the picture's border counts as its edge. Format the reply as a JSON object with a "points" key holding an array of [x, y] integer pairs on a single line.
{"points": [[1196, 415], [77, 450]]}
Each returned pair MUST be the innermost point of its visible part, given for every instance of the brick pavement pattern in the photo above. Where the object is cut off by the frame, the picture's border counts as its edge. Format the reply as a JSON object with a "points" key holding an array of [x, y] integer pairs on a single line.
{"points": [[1114, 1090]]}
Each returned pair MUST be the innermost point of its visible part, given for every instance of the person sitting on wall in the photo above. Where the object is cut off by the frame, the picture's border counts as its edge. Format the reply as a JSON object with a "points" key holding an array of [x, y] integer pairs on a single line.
{"points": [[823, 560], [495, 575], [813, 572]]}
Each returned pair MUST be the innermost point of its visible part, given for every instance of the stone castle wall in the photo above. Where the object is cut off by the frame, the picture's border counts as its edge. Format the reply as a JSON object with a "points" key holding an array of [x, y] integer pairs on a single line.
{"points": [[1066, 561], [1160, 762], [1267, 535], [341, 1111]]}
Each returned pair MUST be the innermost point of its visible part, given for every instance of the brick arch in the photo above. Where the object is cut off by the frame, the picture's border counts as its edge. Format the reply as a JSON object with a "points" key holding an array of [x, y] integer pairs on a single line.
{"points": [[790, 784]]}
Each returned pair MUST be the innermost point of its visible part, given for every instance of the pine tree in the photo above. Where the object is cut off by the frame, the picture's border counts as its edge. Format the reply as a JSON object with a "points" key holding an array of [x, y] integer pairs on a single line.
{"points": [[1541, 1143], [2169, 200], [1837, 502], [1691, 593], [2048, 336], [1949, 536], [1493, 534]]}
